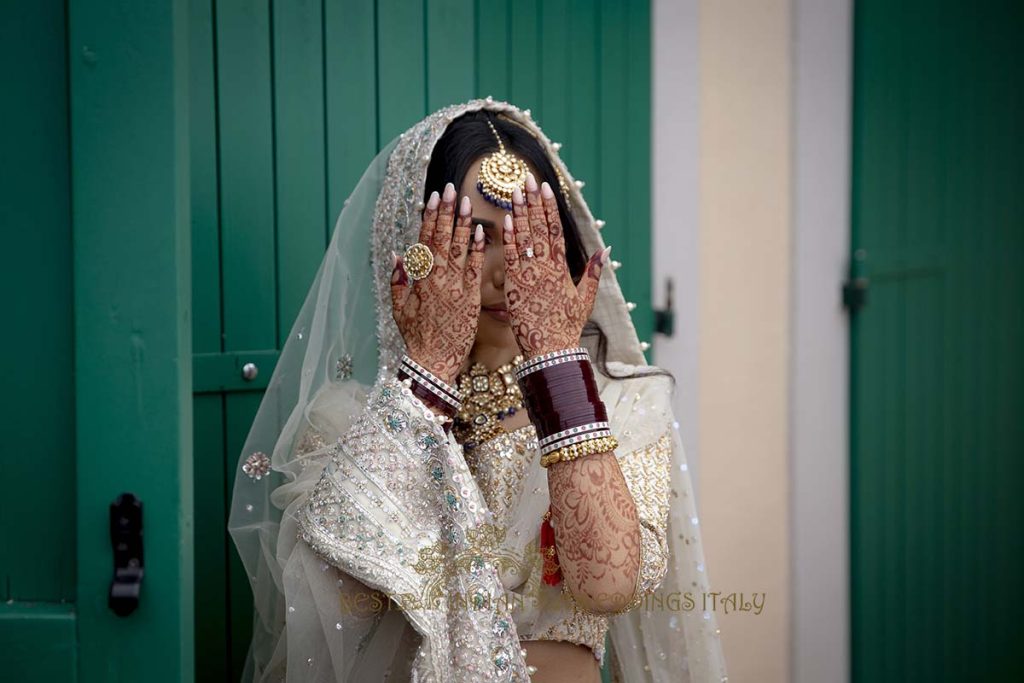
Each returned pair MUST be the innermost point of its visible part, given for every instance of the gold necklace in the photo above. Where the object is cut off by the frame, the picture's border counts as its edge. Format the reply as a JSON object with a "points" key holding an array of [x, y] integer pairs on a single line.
{"points": [[488, 396]]}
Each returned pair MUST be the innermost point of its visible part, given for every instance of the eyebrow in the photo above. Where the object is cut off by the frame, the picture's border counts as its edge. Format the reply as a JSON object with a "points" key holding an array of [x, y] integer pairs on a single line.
{"points": [[482, 221]]}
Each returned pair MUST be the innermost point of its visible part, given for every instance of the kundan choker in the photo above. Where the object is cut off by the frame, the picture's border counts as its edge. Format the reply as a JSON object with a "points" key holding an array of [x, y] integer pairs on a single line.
{"points": [[488, 396]]}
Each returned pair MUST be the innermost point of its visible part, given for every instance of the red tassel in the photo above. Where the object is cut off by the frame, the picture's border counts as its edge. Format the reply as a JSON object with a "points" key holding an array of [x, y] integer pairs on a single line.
{"points": [[552, 574]]}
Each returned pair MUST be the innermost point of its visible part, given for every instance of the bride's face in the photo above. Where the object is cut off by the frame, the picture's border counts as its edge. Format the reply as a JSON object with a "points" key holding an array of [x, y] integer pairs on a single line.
{"points": [[493, 329]]}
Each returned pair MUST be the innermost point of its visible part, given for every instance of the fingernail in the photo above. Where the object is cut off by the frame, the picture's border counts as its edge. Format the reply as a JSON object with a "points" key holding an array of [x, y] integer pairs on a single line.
{"points": [[604, 256], [449, 192], [531, 183], [434, 200], [394, 259], [508, 224], [517, 196], [465, 207], [479, 235], [545, 191]]}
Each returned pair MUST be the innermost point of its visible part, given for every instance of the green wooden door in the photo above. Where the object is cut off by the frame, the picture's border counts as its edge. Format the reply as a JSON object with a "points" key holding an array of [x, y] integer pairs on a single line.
{"points": [[37, 550], [94, 212], [937, 371], [289, 103]]}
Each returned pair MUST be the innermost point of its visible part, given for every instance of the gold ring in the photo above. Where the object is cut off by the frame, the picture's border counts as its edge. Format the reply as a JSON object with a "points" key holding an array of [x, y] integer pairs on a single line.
{"points": [[418, 261]]}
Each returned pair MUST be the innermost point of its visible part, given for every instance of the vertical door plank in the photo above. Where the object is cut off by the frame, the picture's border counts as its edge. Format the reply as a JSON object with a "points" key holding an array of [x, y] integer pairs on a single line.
{"points": [[37, 553], [624, 128], [300, 153], [451, 68], [247, 174], [580, 80], [877, 185], [130, 217], [636, 284], [206, 255], [616, 135], [240, 411], [212, 544], [350, 85], [247, 187], [555, 72], [525, 66], [401, 67], [925, 233], [493, 48]]}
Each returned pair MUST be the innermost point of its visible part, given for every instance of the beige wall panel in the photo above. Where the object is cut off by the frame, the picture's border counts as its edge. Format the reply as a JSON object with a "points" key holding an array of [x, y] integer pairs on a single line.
{"points": [[745, 183]]}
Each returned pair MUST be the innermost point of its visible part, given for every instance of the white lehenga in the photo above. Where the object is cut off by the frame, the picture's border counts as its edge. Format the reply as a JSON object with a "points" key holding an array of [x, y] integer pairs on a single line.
{"points": [[354, 512]]}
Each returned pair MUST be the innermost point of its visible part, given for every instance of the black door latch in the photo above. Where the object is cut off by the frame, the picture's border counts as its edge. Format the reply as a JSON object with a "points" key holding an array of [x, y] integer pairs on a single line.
{"points": [[126, 541], [855, 289], [855, 294], [665, 318]]}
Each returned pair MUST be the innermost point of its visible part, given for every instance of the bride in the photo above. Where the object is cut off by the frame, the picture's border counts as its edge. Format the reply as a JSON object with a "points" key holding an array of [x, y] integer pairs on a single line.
{"points": [[463, 468]]}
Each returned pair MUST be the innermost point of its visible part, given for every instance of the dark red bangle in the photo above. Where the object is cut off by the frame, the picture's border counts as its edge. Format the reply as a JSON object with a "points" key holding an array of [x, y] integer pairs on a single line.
{"points": [[562, 396], [429, 398]]}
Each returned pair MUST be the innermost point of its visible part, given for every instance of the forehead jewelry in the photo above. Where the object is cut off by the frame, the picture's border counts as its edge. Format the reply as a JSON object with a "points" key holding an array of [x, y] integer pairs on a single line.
{"points": [[563, 186], [500, 173]]}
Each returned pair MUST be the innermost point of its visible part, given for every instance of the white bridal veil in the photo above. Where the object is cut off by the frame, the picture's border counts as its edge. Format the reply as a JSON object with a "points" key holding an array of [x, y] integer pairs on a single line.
{"points": [[343, 339]]}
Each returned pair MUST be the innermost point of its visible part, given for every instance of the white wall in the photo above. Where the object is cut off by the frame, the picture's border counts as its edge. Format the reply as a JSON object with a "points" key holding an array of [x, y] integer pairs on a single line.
{"points": [[820, 361], [675, 93]]}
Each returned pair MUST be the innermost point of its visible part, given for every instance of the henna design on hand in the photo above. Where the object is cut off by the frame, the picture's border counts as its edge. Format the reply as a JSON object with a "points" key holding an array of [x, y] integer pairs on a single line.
{"points": [[437, 316], [546, 309]]}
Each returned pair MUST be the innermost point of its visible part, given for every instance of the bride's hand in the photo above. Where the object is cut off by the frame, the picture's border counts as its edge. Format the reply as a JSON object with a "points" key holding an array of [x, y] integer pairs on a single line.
{"points": [[547, 311], [437, 316]]}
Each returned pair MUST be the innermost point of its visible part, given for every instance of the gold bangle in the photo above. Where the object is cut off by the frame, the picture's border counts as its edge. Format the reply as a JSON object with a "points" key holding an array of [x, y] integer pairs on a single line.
{"points": [[578, 450]]}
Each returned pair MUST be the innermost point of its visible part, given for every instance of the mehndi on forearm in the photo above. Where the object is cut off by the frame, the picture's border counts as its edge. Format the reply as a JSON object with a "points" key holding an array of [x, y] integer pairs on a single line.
{"points": [[597, 531]]}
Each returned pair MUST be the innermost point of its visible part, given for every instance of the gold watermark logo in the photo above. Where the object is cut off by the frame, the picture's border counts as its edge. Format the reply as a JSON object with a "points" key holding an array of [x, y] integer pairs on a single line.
{"points": [[370, 602]]}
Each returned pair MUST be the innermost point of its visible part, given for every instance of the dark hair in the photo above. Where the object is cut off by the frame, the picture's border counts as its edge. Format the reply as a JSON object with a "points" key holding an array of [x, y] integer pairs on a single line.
{"points": [[467, 139]]}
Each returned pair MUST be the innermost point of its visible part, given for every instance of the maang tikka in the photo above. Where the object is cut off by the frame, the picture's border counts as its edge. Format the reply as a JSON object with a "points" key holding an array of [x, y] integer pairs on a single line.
{"points": [[500, 173]]}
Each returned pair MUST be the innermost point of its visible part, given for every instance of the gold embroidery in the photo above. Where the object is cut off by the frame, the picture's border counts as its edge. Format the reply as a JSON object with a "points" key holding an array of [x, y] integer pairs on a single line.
{"points": [[499, 467], [646, 471], [483, 543], [482, 540]]}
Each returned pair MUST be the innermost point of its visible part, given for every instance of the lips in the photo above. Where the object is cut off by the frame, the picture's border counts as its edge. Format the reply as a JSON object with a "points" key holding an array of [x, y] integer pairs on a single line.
{"points": [[496, 311]]}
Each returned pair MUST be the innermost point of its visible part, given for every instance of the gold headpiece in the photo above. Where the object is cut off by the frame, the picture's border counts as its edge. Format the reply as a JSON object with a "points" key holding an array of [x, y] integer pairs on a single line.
{"points": [[500, 173], [561, 179]]}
